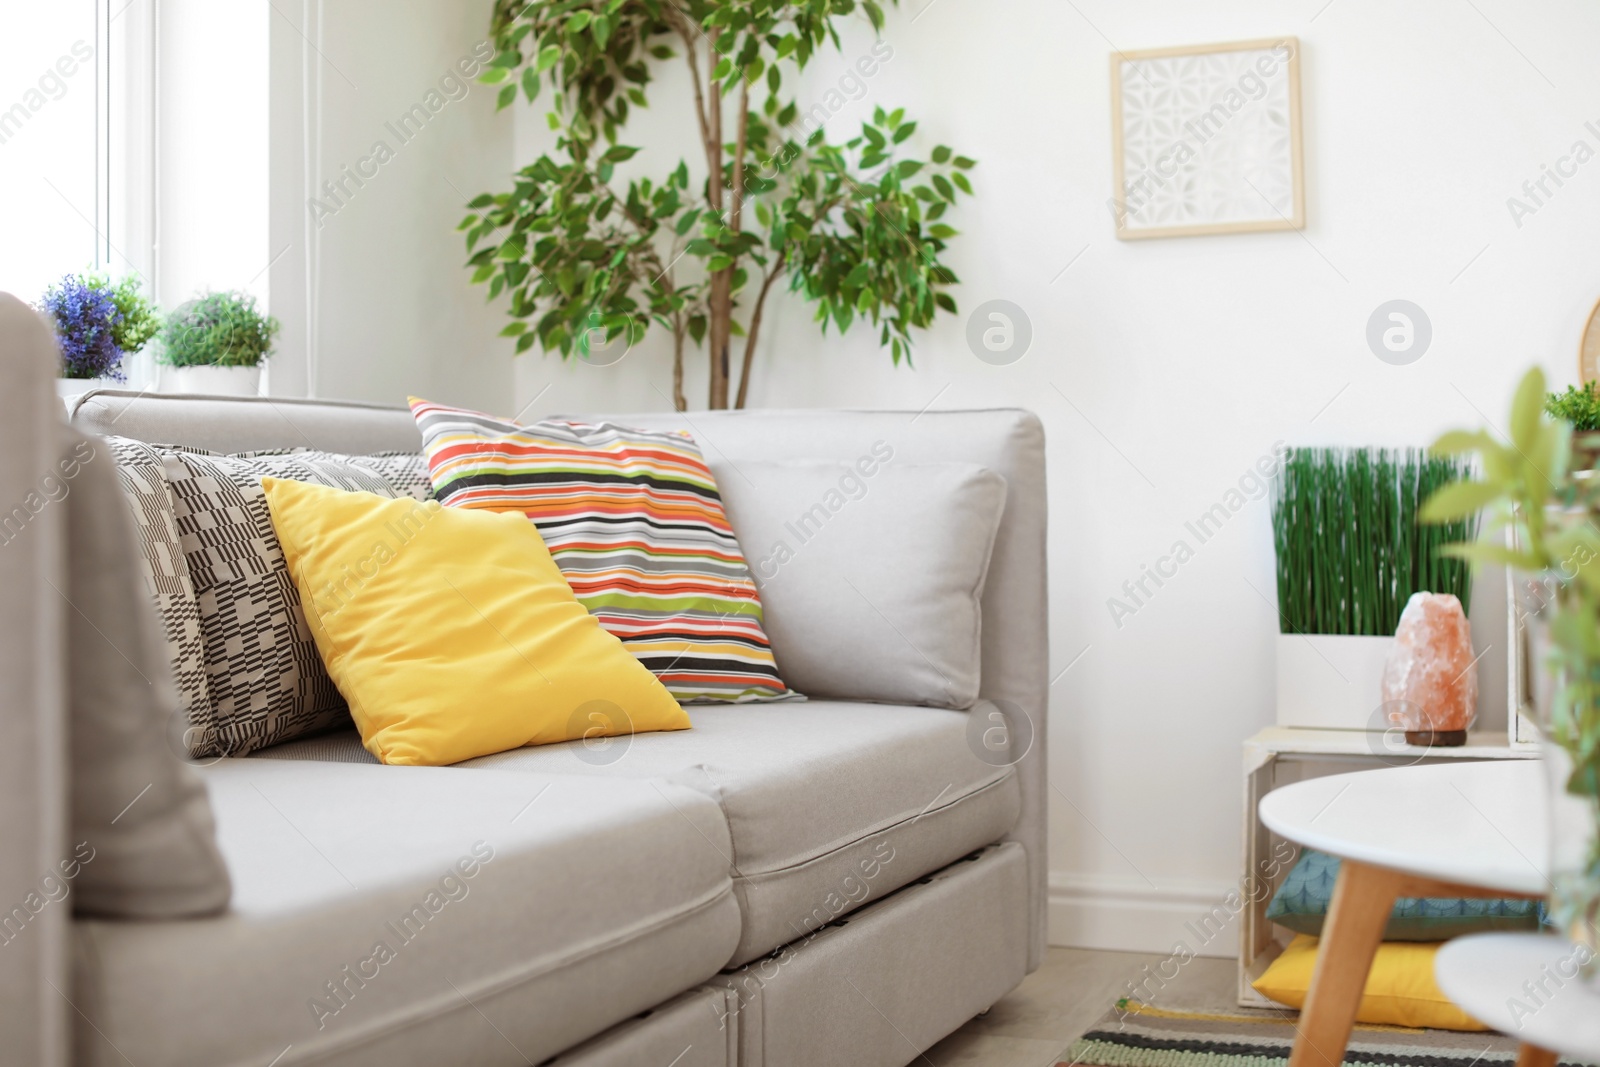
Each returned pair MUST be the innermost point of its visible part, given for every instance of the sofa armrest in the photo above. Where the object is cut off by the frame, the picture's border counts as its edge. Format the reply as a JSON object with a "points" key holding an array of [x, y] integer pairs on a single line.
{"points": [[33, 785]]}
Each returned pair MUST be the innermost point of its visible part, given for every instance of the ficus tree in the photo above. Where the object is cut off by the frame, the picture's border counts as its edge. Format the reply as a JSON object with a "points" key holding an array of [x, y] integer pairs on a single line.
{"points": [[586, 260]]}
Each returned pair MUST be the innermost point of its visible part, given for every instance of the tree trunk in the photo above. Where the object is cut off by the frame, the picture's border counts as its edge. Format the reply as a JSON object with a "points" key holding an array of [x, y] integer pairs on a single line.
{"points": [[721, 304], [755, 331], [679, 401]]}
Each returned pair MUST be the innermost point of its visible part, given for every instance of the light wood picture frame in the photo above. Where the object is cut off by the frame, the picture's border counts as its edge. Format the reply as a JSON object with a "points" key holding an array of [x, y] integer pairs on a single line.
{"points": [[1206, 139]]}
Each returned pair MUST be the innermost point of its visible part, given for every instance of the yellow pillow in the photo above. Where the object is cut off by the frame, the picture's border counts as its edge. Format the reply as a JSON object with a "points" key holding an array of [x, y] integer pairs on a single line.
{"points": [[450, 632], [1400, 988]]}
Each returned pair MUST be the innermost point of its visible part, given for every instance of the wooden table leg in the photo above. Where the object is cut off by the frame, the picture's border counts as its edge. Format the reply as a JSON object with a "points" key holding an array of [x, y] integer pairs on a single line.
{"points": [[1534, 1056], [1363, 897]]}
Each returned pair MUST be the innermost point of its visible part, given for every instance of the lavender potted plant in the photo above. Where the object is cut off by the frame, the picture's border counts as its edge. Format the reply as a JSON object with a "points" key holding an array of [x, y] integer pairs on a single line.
{"points": [[97, 325]]}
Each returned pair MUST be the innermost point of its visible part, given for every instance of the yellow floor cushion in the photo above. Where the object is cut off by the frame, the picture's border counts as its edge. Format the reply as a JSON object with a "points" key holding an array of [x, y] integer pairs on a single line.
{"points": [[1400, 988]]}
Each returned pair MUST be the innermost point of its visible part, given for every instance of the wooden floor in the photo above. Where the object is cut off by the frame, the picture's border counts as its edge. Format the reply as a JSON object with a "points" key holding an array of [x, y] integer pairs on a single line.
{"points": [[1051, 1009]]}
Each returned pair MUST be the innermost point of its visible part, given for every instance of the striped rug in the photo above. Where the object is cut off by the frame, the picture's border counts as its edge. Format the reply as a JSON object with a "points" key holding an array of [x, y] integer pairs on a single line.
{"points": [[634, 521], [1139, 1035]]}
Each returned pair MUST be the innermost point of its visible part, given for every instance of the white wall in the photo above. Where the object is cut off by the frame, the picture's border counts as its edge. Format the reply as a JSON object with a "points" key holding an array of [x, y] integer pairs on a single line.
{"points": [[1164, 369]]}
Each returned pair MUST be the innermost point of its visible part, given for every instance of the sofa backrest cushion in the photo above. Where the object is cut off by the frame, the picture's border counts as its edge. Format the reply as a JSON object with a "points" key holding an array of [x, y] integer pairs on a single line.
{"points": [[142, 830], [872, 572]]}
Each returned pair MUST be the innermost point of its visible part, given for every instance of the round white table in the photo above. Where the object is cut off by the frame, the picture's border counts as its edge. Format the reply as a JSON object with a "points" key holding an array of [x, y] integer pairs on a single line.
{"points": [[1525, 985], [1448, 830]]}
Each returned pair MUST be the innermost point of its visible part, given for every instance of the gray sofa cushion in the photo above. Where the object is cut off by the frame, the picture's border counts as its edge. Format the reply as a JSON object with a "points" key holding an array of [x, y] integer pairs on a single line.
{"points": [[871, 573], [600, 899], [829, 804], [140, 818]]}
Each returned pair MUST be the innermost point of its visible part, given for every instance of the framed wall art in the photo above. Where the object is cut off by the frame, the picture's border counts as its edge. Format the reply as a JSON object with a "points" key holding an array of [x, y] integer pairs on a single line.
{"points": [[1206, 139]]}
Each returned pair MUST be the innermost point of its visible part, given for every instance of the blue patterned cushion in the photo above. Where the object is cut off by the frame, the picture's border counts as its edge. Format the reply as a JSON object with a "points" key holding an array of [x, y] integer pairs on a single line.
{"points": [[1301, 904]]}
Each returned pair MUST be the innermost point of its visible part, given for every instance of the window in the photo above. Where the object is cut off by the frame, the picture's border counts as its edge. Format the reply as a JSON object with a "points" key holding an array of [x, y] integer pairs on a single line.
{"points": [[74, 135]]}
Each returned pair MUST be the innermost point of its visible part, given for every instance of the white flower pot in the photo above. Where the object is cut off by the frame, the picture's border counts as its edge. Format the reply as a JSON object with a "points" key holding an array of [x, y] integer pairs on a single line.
{"points": [[1332, 681], [217, 381]]}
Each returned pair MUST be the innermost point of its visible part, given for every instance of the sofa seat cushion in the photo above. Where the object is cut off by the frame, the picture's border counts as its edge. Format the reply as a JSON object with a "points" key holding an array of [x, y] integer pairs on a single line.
{"points": [[416, 915], [830, 804]]}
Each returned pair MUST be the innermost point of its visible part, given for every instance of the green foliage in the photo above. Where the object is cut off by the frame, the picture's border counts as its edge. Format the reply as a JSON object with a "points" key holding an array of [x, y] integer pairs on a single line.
{"points": [[1350, 551], [217, 330], [140, 316], [1580, 407], [1527, 486], [580, 254]]}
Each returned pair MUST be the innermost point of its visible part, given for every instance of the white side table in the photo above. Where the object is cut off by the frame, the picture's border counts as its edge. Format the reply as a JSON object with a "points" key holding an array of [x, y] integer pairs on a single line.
{"points": [[1281, 755], [1450, 830], [1524, 985]]}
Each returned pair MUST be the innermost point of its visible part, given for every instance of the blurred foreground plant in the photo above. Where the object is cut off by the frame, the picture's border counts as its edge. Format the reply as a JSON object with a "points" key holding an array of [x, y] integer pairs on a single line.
{"points": [[1527, 486]]}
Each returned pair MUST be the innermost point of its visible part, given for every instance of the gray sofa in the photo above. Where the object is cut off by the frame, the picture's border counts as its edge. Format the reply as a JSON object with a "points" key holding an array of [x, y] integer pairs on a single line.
{"points": [[784, 885]]}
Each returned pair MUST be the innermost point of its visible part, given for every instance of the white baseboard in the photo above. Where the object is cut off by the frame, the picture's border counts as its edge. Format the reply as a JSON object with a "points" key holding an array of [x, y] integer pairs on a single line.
{"points": [[1131, 915]]}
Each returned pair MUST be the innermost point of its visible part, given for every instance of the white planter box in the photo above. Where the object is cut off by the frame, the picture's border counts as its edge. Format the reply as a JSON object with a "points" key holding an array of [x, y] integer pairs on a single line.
{"points": [[1332, 681], [217, 381]]}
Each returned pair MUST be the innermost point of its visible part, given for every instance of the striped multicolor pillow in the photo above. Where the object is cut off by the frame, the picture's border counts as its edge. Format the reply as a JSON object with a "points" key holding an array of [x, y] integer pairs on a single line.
{"points": [[634, 521]]}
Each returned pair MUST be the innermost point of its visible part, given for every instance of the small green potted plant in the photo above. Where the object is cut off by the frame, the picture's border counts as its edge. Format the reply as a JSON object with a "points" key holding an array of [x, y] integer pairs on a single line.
{"points": [[1579, 406], [216, 344], [98, 326]]}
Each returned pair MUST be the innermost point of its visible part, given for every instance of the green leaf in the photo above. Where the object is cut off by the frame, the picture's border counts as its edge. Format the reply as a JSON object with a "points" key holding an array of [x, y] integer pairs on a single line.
{"points": [[513, 329], [1485, 553], [618, 153], [941, 154], [578, 20], [961, 182], [1527, 407], [943, 186], [686, 221], [600, 30], [1457, 442], [530, 83], [941, 231], [508, 96], [964, 163], [492, 75], [905, 131], [1459, 500], [547, 58], [906, 168]]}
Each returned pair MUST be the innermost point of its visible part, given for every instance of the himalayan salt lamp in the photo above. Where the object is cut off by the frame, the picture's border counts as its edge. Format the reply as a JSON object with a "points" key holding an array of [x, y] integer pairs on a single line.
{"points": [[1430, 675]]}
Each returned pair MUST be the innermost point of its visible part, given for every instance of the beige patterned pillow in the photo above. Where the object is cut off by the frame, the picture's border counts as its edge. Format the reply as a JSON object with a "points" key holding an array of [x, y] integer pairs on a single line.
{"points": [[266, 678], [166, 576]]}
